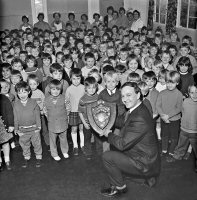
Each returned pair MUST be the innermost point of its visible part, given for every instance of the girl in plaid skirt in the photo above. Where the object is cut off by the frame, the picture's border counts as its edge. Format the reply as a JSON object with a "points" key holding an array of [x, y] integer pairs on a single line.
{"points": [[73, 94]]}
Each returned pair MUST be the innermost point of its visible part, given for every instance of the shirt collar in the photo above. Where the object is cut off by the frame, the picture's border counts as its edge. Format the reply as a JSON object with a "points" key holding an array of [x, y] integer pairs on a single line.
{"points": [[132, 109], [111, 92]]}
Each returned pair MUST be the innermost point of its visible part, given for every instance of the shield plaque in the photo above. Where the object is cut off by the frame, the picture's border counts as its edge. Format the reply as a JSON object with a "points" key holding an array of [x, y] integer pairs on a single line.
{"points": [[101, 115]]}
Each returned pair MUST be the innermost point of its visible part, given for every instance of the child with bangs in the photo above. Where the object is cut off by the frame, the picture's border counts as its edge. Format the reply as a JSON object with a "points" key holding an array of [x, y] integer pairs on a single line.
{"points": [[74, 92], [133, 77], [90, 96], [169, 105], [56, 71], [27, 123], [56, 109]]}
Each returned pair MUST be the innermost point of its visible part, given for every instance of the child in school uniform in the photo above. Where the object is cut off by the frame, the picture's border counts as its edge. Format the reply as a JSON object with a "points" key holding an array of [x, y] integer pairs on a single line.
{"points": [[27, 123], [169, 104], [56, 109], [73, 94], [89, 97], [112, 95]]}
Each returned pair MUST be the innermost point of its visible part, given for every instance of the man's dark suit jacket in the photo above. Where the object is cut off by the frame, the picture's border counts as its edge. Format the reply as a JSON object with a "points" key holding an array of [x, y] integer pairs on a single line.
{"points": [[137, 140]]}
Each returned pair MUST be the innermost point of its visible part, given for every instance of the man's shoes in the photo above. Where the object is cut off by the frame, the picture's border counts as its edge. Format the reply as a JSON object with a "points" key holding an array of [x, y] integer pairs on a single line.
{"points": [[113, 191], [8, 165], [150, 182], [1, 167], [25, 164], [170, 159], [75, 151], [38, 163]]}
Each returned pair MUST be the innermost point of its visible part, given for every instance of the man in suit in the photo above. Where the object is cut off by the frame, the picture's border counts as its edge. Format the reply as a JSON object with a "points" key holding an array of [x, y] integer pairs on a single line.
{"points": [[138, 154]]}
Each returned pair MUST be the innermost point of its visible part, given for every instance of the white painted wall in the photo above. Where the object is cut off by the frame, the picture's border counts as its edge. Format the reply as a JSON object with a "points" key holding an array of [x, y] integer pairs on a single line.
{"points": [[93, 7], [140, 5]]}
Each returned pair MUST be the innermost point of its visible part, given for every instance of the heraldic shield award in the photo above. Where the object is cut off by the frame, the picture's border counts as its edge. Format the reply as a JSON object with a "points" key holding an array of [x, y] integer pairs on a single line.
{"points": [[101, 115]]}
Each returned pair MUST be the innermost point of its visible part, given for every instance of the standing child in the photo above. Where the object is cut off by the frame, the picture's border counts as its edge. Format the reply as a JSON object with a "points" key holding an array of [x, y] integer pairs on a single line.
{"points": [[112, 95], [89, 97], [73, 94], [27, 123], [47, 60], [150, 79], [184, 67], [56, 109], [38, 95], [169, 104], [188, 126], [7, 127]]}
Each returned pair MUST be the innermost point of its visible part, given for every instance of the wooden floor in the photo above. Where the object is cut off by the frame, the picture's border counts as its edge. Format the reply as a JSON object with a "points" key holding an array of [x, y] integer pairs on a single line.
{"points": [[78, 179]]}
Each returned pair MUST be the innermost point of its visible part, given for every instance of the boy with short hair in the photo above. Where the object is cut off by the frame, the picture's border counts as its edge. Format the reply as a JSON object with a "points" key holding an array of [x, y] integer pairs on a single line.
{"points": [[27, 123], [169, 105]]}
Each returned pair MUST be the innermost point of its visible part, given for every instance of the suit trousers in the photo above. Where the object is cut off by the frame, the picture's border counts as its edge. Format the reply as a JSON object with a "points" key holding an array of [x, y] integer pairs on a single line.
{"points": [[117, 163], [53, 142], [25, 142]]}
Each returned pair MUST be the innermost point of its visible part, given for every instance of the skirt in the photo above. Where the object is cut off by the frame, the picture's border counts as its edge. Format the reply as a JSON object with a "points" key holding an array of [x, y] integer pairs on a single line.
{"points": [[74, 119], [4, 135]]}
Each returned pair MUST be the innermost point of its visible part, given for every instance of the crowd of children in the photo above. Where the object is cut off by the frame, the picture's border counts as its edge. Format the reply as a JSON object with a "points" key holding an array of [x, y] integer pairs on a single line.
{"points": [[48, 78]]}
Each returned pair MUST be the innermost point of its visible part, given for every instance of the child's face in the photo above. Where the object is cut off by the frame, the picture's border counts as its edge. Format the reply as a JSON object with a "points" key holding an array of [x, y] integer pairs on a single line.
{"points": [[30, 38], [68, 63], [62, 41], [165, 58], [66, 51], [33, 84], [36, 43], [28, 49], [142, 38], [132, 43], [80, 46], [75, 80], [186, 41], [157, 68], [90, 62], [6, 73], [59, 59], [55, 92], [183, 68], [145, 50], [91, 89], [103, 48], [193, 93], [137, 51], [170, 85], [110, 52], [74, 55], [46, 62], [153, 51], [35, 52], [57, 75], [23, 95], [18, 66], [5, 87], [49, 50], [123, 55], [172, 52], [133, 65], [184, 51], [150, 83], [22, 57], [162, 80], [30, 63], [9, 60], [15, 79], [111, 83]]}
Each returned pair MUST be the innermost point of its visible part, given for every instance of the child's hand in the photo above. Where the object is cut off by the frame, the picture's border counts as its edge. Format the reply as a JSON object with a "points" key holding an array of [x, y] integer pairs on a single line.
{"points": [[10, 129], [87, 126]]}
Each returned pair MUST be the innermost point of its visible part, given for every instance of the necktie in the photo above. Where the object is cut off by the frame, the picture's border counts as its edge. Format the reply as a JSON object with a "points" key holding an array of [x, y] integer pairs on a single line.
{"points": [[126, 115]]}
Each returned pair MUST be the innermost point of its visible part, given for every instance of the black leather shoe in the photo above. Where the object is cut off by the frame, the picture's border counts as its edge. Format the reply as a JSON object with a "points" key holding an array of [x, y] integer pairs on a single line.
{"points": [[196, 166], [113, 191], [150, 182], [38, 163], [1, 167], [8, 165], [25, 164]]}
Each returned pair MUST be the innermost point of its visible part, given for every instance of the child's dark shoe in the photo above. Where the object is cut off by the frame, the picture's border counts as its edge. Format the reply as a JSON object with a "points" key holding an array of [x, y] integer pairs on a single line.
{"points": [[38, 163], [75, 151], [8, 165], [25, 163]]}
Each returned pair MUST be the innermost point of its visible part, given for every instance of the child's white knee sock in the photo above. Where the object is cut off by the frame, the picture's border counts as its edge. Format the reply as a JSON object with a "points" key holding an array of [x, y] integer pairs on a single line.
{"points": [[81, 138], [74, 139]]}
